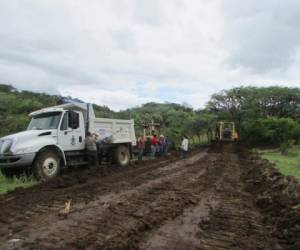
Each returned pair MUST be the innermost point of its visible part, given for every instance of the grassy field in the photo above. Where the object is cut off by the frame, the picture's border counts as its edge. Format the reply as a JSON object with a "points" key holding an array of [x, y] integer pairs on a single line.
{"points": [[7, 185], [287, 164]]}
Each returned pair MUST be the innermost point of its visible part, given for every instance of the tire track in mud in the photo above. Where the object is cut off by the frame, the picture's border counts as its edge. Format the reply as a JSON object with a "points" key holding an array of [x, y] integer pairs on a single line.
{"points": [[24, 207], [205, 202], [224, 218], [236, 223], [81, 186], [41, 224], [143, 209]]}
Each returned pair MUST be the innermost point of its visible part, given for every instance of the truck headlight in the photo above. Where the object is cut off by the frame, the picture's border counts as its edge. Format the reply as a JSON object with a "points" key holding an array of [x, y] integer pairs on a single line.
{"points": [[6, 145]]}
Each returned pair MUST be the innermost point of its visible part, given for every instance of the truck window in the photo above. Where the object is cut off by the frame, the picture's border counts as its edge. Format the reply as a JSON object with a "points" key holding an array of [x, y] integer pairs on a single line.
{"points": [[73, 118], [64, 123], [45, 121]]}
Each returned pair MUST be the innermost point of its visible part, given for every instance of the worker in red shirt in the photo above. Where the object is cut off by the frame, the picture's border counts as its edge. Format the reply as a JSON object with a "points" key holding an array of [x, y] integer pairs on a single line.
{"points": [[154, 144]]}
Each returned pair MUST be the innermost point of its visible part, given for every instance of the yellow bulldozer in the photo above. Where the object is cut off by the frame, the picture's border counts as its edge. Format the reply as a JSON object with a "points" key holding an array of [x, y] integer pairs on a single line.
{"points": [[226, 131]]}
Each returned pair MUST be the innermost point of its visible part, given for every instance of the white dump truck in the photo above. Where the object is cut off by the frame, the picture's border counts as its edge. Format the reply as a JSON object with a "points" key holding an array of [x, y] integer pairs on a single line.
{"points": [[55, 137]]}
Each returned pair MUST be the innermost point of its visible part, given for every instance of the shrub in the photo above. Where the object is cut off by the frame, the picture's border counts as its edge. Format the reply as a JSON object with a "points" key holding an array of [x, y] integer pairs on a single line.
{"points": [[284, 147], [271, 131]]}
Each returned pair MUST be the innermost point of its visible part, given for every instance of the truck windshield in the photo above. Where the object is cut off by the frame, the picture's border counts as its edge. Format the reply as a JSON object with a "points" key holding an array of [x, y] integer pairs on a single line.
{"points": [[45, 121]]}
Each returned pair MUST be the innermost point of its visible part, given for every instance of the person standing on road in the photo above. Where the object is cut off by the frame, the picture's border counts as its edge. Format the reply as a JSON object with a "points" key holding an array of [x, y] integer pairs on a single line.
{"points": [[184, 147], [162, 143], [91, 147], [141, 147], [154, 144], [168, 144]]}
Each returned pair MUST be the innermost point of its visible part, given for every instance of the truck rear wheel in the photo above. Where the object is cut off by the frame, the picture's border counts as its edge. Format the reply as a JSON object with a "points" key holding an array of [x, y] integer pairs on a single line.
{"points": [[46, 166], [122, 156]]}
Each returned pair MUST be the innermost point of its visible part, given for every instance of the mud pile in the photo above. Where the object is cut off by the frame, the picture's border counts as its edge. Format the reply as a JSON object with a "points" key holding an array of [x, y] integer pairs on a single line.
{"points": [[278, 197]]}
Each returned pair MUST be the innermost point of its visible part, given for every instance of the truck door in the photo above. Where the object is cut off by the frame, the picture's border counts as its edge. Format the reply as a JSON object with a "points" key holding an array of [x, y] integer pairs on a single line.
{"points": [[71, 132]]}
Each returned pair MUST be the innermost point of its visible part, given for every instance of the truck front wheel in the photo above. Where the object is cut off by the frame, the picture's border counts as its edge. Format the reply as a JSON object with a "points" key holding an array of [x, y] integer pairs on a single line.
{"points": [[47, 165], [122, 156]]}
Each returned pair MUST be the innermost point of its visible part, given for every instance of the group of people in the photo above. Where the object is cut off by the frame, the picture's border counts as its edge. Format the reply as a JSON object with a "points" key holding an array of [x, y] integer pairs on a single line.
{"points": [[160, 146]]}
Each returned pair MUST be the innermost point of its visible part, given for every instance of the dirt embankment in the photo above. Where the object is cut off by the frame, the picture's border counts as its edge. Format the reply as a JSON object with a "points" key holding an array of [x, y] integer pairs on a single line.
{"points": [[216, 199], [277, 196]]}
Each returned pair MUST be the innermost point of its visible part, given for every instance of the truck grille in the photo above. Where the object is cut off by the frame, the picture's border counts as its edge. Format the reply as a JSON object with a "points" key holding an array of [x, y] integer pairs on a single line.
{"points": [[5, 160]]}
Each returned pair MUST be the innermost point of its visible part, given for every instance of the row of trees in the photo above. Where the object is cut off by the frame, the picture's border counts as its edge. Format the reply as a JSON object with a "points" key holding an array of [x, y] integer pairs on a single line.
{"points": [[175, 119], [16, 105], [252, 102], [264, 116]]}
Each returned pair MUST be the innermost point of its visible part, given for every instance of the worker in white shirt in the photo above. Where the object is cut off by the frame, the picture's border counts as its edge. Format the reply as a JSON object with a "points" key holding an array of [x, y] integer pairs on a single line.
{"points": [[184, 147]]}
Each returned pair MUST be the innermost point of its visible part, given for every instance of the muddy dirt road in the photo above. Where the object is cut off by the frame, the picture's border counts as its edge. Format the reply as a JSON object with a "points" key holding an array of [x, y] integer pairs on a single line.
{"points": [[219, 198]]}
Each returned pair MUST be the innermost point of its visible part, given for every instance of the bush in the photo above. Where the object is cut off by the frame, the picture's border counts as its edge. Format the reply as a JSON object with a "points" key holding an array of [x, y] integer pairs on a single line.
{"points": [[284, 147], [271, 131]]}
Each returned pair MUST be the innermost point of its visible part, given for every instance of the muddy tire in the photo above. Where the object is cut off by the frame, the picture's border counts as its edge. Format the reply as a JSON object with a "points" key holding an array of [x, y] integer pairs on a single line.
{"points": [[122, 156], [46, 166]]}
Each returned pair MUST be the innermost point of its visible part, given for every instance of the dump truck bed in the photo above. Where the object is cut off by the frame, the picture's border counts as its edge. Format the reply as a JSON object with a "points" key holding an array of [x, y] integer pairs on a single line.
{"points": [[119, 131]]}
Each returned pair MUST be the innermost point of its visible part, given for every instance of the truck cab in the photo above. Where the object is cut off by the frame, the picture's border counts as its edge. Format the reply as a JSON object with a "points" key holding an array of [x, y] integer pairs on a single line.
{"points": [[55, 139], [66, 127]]}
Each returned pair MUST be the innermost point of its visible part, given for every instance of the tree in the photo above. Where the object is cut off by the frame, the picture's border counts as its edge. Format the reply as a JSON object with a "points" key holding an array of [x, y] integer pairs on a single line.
{"points": [[247, 105], [254, 102], [271, 131]]}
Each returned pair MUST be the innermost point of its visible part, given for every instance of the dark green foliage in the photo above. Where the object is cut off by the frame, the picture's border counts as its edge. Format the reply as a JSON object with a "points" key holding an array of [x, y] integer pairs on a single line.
{"points": [[16, 105], [103, 111], [6, 88], [268, 115], [175, 119], [270, 131], [254, 102], [264, 116]]}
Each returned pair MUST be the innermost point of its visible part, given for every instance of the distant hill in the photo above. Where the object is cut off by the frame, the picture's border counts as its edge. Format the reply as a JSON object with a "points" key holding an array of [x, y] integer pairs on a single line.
{"points": [[15, 106], [269, 115]]}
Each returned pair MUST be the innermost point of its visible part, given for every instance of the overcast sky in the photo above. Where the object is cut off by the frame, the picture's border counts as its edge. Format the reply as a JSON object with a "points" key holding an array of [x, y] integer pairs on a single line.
{"points": [[122, 53]]}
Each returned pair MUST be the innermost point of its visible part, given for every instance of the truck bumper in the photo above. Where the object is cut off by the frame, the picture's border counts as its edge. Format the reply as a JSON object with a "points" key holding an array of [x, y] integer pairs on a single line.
{"points": [[22, 160]]}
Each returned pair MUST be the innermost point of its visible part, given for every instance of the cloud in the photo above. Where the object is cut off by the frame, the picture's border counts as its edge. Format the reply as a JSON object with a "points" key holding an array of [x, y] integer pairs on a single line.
{"points": [[116, 100], [262, 35], [171, 50]]}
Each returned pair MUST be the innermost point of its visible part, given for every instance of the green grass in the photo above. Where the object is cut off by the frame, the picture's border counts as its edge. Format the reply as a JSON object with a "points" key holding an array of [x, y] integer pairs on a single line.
{"points": [[287, 164], [196, 141], [7, 185]]}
